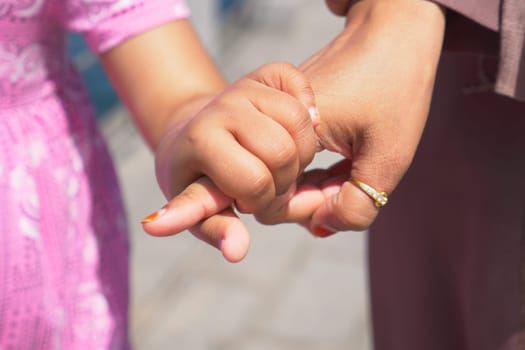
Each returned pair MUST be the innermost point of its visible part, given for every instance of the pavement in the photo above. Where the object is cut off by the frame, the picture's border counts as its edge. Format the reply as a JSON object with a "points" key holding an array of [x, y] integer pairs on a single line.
{"points": [[292, 291]]}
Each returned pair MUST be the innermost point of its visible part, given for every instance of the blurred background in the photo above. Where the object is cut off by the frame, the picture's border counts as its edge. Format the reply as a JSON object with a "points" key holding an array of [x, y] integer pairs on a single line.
{"points": [[293, 291]]}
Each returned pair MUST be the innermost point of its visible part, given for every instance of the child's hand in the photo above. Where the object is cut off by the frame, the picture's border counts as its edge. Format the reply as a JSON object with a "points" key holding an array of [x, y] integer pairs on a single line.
{"points": [[248, 145]]}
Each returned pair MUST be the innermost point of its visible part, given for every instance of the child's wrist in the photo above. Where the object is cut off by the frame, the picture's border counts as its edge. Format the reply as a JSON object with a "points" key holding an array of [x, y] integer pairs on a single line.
{"points": [[165, 147]]}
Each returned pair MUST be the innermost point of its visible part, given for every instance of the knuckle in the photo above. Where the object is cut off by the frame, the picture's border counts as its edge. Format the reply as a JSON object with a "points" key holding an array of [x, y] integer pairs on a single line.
{"points": [[263, 70], [199, 141], [297, 78], [258, 195], [304, 136], [299, 115], [277, 74], [195, 130], [288, 67], [285, 169], [306, 89], [285, 156], [280, 65], [261, 186]]}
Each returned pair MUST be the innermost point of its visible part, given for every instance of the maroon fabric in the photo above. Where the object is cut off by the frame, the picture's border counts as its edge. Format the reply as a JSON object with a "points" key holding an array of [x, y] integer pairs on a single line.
{"points": [[484, 12], [511, 79], [507, 18], [490, 26], [446, 254]]}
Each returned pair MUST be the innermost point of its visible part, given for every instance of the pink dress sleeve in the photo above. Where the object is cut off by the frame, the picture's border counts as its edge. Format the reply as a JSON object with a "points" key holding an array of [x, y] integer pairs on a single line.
{"points": [[106, 23]]}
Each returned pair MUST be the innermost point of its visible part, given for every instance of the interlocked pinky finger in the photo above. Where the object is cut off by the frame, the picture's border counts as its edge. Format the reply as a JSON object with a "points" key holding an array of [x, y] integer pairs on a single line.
{"points": [[226, 232], [198, 201]]}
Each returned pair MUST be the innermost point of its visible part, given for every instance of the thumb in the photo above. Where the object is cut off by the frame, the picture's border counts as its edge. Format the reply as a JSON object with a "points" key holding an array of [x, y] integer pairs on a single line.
{"points": [[288, 78], [356, 202]]}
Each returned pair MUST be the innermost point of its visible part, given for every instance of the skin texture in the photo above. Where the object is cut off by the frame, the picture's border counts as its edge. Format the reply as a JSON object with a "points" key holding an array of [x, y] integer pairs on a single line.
{"points": [[373, 85], [247, 146], [247, 142], [179, 75]]}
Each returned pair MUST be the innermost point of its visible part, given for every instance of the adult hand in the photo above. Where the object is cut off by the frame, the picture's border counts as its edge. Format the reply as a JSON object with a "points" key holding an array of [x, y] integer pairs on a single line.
{"points": [[373, 87]]}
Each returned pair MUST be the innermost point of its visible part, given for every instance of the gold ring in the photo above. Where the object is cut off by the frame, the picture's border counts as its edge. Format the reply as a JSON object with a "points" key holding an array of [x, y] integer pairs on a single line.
{"points": [[380, 198]]}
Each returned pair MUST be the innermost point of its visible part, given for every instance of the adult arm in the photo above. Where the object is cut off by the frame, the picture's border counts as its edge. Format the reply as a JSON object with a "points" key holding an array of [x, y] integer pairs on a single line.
{"points": [[373, 85], [495, 27]]}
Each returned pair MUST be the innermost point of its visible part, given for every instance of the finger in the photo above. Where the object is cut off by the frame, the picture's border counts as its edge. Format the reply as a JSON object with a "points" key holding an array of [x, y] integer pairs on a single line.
{"points": [[207, 213], [226, 232], [289, 79], [200, 209], [305, 197], [288, 113], [314, 188], [240, 175], [197, 202], [233, 169], [350, 207], [280, 133], [345, 210], [295, 206], [254, 149], [277, 156]]}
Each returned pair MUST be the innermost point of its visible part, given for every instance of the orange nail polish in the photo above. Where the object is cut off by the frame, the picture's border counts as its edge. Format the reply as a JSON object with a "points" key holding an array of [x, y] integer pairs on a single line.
{"points": [[153, 216], [321, 231]]}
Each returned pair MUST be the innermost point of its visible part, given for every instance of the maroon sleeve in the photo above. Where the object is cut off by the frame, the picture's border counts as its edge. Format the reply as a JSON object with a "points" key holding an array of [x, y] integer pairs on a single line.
{"points": [[484, 12], [505, 20]]}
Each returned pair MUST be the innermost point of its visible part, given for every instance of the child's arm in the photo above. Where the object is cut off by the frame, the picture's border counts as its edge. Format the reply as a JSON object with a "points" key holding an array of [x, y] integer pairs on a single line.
{"points": [[160, 71], [252, 140]]}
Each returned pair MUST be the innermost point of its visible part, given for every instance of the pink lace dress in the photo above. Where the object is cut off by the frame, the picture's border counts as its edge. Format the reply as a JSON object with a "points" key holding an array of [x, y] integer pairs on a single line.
{"points": [[63, 243]]}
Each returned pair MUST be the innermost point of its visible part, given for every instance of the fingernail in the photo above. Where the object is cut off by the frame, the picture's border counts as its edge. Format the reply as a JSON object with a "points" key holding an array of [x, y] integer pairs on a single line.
{"points": [[323, 231], [314, 115], [154, 216]]}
